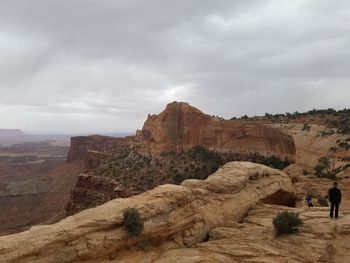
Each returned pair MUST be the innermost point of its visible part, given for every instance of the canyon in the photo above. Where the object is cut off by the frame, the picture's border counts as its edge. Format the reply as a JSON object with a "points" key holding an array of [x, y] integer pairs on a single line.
{"points": [[187, 174], [179, 215], [35, 181], [153, 157], [225, 218]]}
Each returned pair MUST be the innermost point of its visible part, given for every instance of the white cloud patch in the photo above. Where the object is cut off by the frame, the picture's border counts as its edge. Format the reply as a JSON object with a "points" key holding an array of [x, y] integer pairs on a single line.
{"points": [[101, 66]]}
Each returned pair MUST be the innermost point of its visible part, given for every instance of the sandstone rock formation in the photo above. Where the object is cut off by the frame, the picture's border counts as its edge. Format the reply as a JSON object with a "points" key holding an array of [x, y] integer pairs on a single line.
{"points": [[253, 240], [95, 149], [175, 217], [90, 191], [181, 126], [88, 148]]}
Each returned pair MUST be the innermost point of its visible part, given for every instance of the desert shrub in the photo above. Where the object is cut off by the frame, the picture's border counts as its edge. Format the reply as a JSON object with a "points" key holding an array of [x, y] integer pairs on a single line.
{"points": [[344, 126], [331, 176], [306, 127], [325, 168], [337, 170], [323, 133], [286, 223], [275, 162], [333, 149], [344, 145], [203, 163], [132, 221]]}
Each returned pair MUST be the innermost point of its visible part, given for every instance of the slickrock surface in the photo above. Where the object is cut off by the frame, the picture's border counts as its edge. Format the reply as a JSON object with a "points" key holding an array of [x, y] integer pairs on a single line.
{"points": [[310, 145], [181, 126], [175, 217], [319, 240]]}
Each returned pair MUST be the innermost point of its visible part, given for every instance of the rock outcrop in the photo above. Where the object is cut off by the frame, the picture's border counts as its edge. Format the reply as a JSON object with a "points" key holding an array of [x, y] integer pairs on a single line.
{"points": [[94, 149], [146, 162], [175, 217], [253, 240], [91, 191], [181, 126]]}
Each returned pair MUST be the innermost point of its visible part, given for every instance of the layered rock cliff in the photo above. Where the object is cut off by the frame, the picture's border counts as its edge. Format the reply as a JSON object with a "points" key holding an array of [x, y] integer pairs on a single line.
{"points": [[171, 147], [94, 149], [181, 126], [175, 217]]}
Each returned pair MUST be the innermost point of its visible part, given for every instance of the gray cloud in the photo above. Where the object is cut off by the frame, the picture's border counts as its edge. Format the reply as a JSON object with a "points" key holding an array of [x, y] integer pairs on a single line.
{"points": [[102, 66]]}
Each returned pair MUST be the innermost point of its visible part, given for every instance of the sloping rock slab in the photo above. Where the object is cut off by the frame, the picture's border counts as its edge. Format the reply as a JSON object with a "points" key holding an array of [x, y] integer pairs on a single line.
{"points": [[183, 215]]}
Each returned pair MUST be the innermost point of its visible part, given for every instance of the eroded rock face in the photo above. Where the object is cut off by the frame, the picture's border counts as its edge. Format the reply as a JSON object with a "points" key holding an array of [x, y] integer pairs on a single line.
{"points": [[181, 126], [94, 148], [93, 190], [178, 216]]}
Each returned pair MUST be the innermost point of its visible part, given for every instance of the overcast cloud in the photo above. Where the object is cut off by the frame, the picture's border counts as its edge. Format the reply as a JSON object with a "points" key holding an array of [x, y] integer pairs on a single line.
{"points": [[92, 66]]}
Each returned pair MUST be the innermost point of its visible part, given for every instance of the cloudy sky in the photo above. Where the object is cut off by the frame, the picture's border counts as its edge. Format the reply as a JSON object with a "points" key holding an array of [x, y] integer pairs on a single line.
{"points": [[96, 66]]}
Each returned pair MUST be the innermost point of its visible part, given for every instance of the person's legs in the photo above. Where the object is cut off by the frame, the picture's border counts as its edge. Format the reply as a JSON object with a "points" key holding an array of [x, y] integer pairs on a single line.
{"points": [[336, 210], [332, 209]]}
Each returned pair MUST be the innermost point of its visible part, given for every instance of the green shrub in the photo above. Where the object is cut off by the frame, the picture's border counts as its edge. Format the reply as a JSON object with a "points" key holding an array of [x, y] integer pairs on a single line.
{"points": [[325, 168], [274, 162], [306, 127], [286, 223], [132, 221], [344, 145]]}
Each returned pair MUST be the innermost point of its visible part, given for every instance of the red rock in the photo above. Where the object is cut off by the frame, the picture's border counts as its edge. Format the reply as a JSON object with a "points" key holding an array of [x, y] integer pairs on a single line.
{"points": [[93, 190], [181, 126], [95, 149]]}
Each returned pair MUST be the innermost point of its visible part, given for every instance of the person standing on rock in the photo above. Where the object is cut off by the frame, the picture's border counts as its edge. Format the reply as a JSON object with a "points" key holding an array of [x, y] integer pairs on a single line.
{"points": [[334, 196], [309, 201]]}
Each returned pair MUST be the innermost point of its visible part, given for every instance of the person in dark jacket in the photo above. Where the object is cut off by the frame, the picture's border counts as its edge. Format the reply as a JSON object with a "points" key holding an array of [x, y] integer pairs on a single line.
{"points": [[309, 201], [334, 196]]}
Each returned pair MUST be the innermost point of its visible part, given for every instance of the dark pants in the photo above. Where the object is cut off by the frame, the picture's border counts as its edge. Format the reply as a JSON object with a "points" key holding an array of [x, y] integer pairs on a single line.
{"points": [[336, 206]]}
